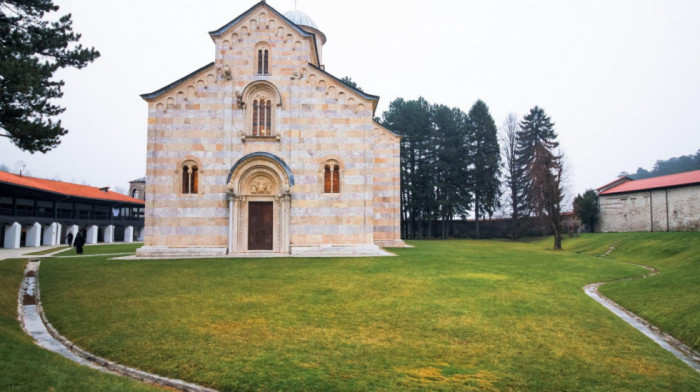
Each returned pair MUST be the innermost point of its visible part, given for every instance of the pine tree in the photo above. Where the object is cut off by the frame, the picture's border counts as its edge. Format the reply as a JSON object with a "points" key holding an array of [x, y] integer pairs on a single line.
{"points": [[31, 50], [543, 168], [587, 209], [452, 191], [485, 160], [412, 120]]}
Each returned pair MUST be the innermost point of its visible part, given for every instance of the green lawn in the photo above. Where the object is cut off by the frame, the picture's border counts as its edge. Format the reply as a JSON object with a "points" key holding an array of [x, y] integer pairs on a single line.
{"points": [[445, 315], [103, 249], [670, 300], [25, 366]]}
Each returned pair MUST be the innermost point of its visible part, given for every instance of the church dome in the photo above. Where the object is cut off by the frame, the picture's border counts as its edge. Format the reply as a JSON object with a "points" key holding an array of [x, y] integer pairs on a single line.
{"points": [[301, 19], [307, 24]]}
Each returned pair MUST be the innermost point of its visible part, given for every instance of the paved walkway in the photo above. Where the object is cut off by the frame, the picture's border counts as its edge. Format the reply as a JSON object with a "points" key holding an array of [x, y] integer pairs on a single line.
{"points": [[22, 252]]}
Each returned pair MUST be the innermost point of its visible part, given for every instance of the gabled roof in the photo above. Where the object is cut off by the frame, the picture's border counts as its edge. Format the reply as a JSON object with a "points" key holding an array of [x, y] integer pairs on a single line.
{"points": [[670, 181], [369, 97], [221, 30], [167, 88], [614, 183], [66, 188], [381, 126]]}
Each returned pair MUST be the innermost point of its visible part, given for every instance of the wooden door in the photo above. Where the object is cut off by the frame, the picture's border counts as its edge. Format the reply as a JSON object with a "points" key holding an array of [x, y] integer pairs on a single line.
{"points": [[260, 225]]}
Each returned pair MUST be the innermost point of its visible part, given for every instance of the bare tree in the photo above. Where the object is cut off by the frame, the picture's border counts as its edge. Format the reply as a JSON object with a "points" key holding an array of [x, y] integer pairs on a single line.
{"points": [[546, 173], [513, 172]]}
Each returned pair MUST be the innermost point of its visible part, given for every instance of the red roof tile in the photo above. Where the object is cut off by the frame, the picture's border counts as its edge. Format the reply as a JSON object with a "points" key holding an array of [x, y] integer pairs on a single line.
{"points": [[672, 180], [66, 188], [614, 183]]}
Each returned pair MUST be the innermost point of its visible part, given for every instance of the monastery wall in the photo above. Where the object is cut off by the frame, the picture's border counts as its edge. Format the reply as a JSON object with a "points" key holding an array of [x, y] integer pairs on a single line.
{"points": [[675, 209]]}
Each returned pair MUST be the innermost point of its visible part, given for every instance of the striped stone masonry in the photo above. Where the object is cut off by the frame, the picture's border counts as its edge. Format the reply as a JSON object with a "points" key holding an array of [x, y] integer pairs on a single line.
{"points": [[205, 120]]}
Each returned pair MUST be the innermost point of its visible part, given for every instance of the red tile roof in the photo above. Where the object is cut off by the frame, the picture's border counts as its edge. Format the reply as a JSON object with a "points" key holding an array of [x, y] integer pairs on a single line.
{"points": [[66, 188], [673, 180], [614, 183]]}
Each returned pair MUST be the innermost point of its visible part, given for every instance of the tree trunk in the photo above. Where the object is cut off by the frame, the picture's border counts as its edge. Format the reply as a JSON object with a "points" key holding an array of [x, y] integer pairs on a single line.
{"points": [[476, 213], [557, 239], [554, 221]]}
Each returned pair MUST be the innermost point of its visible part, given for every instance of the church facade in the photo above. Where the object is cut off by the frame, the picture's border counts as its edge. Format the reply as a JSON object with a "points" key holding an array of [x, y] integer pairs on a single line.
{"points": [[264, 152]]}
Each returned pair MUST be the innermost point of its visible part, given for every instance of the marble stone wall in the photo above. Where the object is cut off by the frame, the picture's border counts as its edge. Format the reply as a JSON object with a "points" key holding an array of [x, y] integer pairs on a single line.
{"points": [[206, 118]]}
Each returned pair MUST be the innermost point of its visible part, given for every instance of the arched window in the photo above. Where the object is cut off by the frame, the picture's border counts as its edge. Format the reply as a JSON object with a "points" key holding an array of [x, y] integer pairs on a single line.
{"points": [[190, 178], [331, 177], [263, 61], [262, 117], [135, 193], [261, 101]]}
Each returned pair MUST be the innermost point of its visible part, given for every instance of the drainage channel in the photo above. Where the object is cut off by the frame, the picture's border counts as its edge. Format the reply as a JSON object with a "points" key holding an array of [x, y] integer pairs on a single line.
{"points": [[666, 341], [35, 324]]}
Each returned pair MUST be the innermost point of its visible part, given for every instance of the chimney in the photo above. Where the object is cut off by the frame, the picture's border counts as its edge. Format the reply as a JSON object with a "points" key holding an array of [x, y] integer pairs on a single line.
{"points": [[105, 189]]}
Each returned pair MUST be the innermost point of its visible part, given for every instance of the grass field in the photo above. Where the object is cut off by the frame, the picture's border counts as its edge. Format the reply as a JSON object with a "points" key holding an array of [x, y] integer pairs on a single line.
{"points": [[670, 300], [446, 315], [25, 366]]}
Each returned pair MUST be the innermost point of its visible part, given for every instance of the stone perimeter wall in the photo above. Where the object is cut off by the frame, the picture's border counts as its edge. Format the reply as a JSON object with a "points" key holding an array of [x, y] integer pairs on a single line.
{"points": [[316, 117], [674, 209]]}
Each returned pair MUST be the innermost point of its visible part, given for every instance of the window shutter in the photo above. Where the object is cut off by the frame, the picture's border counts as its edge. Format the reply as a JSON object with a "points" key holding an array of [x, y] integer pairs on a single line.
{"points": [[195, 180], [255, 118], [266, 62], [185, 175], [268, 119], [336, 179], [327, 179]]}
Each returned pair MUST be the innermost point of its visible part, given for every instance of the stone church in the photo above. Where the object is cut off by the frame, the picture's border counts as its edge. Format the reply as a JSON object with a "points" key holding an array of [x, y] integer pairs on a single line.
{"points": [[264, 152]]}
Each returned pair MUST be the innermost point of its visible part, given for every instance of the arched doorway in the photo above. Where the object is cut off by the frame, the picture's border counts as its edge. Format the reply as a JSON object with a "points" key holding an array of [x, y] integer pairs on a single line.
{"points": [[259, 201]]}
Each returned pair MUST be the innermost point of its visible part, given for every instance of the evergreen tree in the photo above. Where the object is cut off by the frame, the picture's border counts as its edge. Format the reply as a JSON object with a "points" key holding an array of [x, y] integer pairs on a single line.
{"points": [[673, 165], [587, 209], [451, 164], [485, 160], [348, 80], [31, 50], [543, 168], [412, 120]]}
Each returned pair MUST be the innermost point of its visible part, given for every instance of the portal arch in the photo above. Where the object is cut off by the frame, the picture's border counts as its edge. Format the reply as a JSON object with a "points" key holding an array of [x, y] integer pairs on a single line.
{"points": [[259, 198]]}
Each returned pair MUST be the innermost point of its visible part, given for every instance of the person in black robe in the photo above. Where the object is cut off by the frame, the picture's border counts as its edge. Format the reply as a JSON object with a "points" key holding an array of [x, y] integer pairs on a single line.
{"points": [[79, 242], [69, 239]]}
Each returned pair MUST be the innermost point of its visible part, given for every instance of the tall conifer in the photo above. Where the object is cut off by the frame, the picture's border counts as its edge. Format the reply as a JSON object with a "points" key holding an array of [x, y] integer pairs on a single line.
{"points": [[543, 168], [485, 160], [31, 50]]}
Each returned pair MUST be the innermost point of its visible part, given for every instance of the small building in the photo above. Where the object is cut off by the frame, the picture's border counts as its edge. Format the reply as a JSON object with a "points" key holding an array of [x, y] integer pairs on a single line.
{"points": [[36, 212], [137, 188], [666, 203], [263, 151]]}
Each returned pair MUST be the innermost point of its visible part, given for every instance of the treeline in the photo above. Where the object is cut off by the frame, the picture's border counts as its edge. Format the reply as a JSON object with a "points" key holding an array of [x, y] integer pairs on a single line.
{"points": [[673, 165], [452, 164]]}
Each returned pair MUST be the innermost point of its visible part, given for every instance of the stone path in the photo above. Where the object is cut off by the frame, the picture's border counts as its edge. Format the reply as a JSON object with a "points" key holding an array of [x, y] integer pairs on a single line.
{"points": [[35, 324], [666, 341]]}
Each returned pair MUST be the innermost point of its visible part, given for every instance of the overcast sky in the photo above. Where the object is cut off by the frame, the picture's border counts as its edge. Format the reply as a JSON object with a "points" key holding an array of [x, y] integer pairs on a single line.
{"points": [[620, 79]]}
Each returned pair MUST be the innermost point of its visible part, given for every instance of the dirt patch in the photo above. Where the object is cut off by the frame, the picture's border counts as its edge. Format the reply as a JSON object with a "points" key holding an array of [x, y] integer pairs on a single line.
{"points": [[28, 300]]}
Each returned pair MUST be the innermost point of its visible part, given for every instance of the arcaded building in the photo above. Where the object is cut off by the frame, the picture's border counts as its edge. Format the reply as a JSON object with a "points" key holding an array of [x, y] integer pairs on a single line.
{"points": [[263, 151]]}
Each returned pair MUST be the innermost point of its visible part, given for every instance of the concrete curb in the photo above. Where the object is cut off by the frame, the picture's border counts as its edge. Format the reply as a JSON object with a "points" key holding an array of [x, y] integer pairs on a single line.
{"points": [[101, 363], [666, 341]]}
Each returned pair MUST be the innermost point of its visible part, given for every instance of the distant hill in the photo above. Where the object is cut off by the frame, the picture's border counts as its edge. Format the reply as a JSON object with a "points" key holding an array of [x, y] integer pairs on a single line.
{"points": [[670, 166]]}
